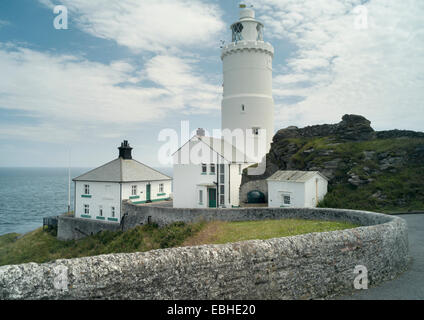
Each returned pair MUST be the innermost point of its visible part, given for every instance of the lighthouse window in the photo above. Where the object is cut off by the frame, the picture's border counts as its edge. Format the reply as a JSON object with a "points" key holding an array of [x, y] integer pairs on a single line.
{"points": [[259, 28], [255, 131], [237, 30], [243, 108]]}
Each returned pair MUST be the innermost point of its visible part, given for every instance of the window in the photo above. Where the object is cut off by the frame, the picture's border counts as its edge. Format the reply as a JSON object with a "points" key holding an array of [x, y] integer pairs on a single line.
{"points": [[112, 211], [204, 168], [237, 29], [259, 28], [243, 108], [222, 173], [101, 211], [222, 189], [255, 131], [222, 200], [200, 196], [161, 188], [286, 199], [86, 189], [133, 190], [86, 209], [212, 168]]}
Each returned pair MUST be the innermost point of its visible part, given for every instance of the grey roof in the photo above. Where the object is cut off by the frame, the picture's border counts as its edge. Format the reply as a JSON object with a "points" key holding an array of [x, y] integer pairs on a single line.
{"points": [[120, 170], [294, 176]]}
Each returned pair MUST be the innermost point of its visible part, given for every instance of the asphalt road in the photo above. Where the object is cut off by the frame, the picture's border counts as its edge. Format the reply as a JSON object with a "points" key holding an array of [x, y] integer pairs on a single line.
{"points": [[409, 285]]}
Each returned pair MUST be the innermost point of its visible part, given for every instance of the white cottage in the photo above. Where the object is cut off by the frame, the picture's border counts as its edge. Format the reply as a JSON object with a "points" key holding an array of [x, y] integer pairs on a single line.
{"points": [[207, 173], [298, 189], [100, 192]]}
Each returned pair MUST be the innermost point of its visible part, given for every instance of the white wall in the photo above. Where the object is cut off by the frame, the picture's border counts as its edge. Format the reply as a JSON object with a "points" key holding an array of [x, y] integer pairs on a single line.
{"points": [[188, 177], [102, 194], [141, 191], [247, 68], [303, 194], [295, 189], [310, 191], [235, 182]]}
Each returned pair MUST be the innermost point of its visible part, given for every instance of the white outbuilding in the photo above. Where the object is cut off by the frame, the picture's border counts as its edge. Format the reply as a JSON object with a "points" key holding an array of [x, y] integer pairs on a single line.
{"points": [[99, 193], [300, 189]]}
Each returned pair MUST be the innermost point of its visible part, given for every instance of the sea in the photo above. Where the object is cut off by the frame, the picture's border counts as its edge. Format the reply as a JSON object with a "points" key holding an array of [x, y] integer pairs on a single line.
{"points": [[27, 195]]}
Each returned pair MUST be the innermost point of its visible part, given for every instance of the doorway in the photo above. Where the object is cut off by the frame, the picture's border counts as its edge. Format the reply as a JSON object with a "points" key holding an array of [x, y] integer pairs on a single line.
{"points": [[212, 198], [148, 193]]}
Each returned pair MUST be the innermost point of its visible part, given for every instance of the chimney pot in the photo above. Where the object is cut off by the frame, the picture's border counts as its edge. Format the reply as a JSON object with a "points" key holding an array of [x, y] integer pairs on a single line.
{"points": [[125, 151], [201, 132]]}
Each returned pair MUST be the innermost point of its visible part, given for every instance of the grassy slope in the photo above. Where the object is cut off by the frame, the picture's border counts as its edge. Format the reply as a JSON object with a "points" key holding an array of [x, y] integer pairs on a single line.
{"points": [[39, 246], [403, 189], [225, 232]]}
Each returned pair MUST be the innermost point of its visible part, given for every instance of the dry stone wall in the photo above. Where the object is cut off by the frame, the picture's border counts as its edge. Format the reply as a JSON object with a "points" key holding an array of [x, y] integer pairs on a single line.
{"points": [[317, 265]]}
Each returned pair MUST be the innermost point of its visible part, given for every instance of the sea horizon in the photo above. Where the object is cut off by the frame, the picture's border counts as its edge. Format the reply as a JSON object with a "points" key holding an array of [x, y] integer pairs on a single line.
{"points": [[28, 194]]}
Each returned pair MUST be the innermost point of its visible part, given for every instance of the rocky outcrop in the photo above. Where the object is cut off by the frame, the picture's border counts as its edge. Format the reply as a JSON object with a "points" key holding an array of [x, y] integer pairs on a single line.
{"points": [[344, 154]]}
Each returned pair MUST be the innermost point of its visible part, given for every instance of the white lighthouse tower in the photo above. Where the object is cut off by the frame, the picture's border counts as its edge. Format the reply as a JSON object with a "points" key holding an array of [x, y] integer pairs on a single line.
{"points": [[247, 102]]}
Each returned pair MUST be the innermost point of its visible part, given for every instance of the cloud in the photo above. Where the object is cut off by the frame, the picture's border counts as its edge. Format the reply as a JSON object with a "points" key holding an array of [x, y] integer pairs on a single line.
{"points": [[148, 25], [4, 23], [76, 96], [338, 69]]}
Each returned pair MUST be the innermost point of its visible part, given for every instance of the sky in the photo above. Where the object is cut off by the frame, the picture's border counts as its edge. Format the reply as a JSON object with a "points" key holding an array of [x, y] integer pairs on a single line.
{"points": [[127, 69]]}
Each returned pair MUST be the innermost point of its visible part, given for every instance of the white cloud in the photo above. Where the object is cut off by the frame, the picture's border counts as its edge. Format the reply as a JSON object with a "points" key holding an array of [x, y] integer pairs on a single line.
{"points": [[4, 23], [75, 95], [375, 72], [148, 25]]}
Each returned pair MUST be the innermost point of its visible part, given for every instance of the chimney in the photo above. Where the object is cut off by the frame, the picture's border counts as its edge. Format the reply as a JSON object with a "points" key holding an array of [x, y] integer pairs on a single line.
{"points": [[200, 132], [125, 151]]}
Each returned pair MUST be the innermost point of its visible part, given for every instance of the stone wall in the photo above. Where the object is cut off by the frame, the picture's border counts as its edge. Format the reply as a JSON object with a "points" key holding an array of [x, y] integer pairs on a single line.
{"points": [[260, 185], [316, 265], [70, 228]]}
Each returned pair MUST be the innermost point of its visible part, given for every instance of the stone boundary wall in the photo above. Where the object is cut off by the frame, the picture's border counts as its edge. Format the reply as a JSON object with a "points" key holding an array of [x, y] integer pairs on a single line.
{"points": [[310, 266], [70, 228], [135, 215]]}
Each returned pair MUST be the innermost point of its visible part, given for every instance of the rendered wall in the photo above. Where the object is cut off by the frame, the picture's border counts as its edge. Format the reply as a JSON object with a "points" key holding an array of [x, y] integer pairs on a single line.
{"points": [[317, 265]]}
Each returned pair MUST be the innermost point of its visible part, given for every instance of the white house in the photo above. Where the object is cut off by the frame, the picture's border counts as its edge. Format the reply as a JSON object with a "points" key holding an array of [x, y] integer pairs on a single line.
{"points": [[298, 189], [247, 107], [207, 173], [100, 192]]}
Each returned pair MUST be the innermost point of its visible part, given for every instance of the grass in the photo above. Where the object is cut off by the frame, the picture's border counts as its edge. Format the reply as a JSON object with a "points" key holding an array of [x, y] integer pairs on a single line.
{"points": [[225, 232], [40, 246]]}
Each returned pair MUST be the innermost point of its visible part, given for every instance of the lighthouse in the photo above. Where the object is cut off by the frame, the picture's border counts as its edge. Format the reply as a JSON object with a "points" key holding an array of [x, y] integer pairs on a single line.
{"points": [[247, 69]]}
